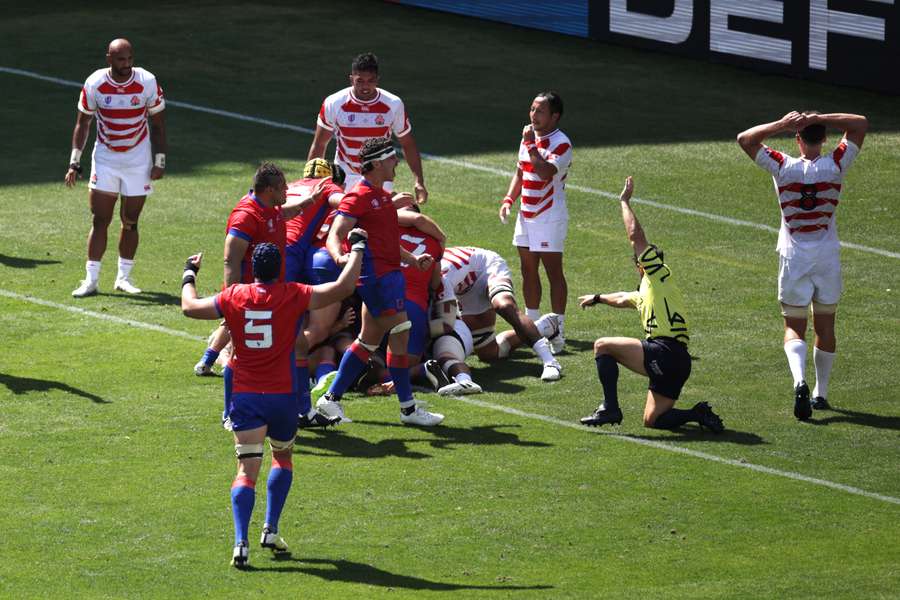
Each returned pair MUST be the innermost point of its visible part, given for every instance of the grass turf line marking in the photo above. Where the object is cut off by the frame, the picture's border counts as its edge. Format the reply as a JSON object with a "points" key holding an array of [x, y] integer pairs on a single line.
{"points": [[505, 409], [466, 164]]}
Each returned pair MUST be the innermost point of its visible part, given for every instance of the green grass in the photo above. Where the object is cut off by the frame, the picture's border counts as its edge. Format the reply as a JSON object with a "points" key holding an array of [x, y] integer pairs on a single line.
{"points": [[116, 471]]}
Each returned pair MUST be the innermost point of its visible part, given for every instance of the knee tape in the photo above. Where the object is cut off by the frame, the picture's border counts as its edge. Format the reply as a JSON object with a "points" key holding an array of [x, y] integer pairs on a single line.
{"points": [[823, 309], [794, 312], [243, 451], [129, 225], [279, 446], [404, 326], [369, 347], [448, 346], [482, 337]]}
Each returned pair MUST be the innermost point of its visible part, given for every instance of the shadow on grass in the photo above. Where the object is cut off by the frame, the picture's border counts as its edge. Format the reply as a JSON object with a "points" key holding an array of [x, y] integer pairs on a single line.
{"points": [[155, 298], [23, 385], [695, 434], [857, 418], [17, 262], [355, 572], [338, 443]]}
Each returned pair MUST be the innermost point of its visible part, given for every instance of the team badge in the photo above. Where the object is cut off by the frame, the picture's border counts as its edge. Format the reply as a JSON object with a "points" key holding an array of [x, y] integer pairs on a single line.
{"points": [[545, 244], [379, 120], [94, 178], [135, 101], [364, 108], [108, 100], [351, 118], [148, 188]]}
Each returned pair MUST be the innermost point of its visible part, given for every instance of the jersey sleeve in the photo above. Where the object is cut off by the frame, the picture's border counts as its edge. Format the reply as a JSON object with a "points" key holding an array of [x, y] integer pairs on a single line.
{"points": [[400, 125], [560, 156], [302, 295], [243, 225], [223, 301], [654, 268], [845, 154], [325, 120], [635, 298], [156, 102], [352, 206], [86, 101], [770, 160]]}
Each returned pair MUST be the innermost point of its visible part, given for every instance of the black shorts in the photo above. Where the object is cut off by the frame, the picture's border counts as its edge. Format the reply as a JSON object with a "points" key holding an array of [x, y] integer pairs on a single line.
{"points": [[668, 365]]}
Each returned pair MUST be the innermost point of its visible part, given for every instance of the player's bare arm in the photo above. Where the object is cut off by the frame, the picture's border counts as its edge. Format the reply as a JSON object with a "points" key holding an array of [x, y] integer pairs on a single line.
{"points": [[633, 228], [235, 249], [79, 137], [339, 231], [751, 140], [515, 188], [320, 143], [191, 305], [414, 160], [615, 299], [329, 293], [402, 200], [853, 126], [423, 223], [543, 168], [293, 208], [159, 144]]}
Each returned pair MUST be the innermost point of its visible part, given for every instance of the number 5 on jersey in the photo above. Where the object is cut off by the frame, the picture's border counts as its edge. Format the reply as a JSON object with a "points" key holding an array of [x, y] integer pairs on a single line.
{"points": [[252, 327]]}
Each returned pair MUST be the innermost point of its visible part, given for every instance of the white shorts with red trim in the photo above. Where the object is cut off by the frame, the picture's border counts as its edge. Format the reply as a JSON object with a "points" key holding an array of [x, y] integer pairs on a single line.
{"points": [[126, 181], [477, 299], [540, 236], [802, 280]]}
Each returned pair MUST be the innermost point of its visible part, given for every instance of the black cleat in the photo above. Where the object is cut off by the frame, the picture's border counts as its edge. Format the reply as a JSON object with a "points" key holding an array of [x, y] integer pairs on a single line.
{"points": [[820, 403], [602, 416], [707, 419], [318, 420], [802, 407], [435, 375]]}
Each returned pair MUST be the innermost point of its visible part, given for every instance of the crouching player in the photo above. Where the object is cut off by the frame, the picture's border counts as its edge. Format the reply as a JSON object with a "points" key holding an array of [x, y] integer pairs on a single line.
{"points": [[452, 344], [663, 356], [263, 318]]}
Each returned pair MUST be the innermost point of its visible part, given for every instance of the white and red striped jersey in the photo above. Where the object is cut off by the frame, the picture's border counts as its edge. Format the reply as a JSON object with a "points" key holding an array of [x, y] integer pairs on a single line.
{"points": [[546, 198], [121, 110], [462, 265], [808, 194], [353, 121]]}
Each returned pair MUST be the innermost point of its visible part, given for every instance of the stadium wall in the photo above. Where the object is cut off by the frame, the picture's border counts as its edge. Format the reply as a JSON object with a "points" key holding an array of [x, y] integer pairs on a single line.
{"points": [[848, 42]]}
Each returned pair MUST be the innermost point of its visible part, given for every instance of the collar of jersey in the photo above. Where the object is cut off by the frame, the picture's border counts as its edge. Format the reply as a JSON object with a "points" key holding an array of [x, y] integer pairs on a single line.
{"points": [[255, 199], [358, 101], [116, 83], [543, 137]]}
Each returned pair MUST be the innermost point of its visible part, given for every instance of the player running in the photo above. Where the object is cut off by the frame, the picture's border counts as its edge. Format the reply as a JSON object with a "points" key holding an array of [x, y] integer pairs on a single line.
{"points": [[663, 355], [808, 189], [129, 106]]}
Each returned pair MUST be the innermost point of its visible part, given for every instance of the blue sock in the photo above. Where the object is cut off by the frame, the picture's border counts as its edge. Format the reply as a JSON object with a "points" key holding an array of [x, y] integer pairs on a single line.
{"points": [[303, 399], [324, 369], [243, 495], [209, 357], [228, 378], [353, 363], [608, 372], [399, 368], [278, 486]]}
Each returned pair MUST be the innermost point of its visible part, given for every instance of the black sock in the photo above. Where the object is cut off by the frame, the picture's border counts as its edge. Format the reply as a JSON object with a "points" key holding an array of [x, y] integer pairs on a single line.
{"points": [[674, 418], [608, 372]]}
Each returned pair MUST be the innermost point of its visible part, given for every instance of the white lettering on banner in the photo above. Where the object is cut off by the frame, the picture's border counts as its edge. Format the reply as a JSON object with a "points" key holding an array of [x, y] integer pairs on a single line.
{"points": [[674, 29], [822, 20], [725, 40]]}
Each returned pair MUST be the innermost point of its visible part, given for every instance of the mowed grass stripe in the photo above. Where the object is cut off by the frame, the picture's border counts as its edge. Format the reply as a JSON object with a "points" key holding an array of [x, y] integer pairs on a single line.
{"points": [[505, 409], [468, 165]]}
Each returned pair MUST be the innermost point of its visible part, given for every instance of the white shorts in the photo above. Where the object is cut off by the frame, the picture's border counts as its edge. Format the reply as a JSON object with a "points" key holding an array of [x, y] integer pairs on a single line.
{"points": [[477, 299], [126, 181], [540, 236], [800, 281]]}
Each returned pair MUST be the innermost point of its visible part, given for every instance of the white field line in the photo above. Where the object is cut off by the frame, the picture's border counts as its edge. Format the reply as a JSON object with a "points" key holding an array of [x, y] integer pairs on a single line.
{"points": [[506, 409], [467, 165]]}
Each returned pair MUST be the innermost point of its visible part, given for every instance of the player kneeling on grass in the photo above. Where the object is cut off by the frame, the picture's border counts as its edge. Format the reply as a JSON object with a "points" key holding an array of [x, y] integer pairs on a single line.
{"points": [[263, 318], [663, 355]]}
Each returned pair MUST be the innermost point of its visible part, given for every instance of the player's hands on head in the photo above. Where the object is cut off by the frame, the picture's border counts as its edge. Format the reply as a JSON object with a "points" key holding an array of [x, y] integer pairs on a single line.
{"points": [[421, 193], [587, 300], [793, 121], [628, 190], [528, 133], [402, 200]]}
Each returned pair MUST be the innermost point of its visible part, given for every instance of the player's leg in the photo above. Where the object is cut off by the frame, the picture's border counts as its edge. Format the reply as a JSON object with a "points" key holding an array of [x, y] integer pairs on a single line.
{"points": [[559, 291], [450, 351], [102, 205], [216, 343], [129, 212], [609, 353], [307, 416], [248, 446], [823, 352], [531, 281], [795, 292], [505, 305], [281, 434]]}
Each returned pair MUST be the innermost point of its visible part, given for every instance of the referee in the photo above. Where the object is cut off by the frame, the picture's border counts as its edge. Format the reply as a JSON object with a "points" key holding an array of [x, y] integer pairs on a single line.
{"points": [[663, 355]]}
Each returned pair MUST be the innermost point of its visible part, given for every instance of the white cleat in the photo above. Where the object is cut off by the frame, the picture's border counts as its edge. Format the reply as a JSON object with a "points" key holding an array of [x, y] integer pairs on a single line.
{"points": [[240, 557], [331, 408], [201, 369], [421, 417], [85, 288], [460, 388], [273, 542], [552, 372], [125, 285]]}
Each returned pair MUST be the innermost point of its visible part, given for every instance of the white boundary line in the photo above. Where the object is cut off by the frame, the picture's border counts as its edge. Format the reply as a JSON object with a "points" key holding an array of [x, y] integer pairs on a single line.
{"points": [[506, 409], [466, 164]]}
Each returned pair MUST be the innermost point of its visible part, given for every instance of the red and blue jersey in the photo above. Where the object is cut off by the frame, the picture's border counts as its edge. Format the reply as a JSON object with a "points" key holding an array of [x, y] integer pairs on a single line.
{"points": [[418, 282], [256, 223], [264, 319], [374, 211], [303, 229]]}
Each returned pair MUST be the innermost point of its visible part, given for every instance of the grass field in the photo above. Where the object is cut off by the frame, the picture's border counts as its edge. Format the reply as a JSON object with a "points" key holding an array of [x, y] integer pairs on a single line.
{"points": [[116, 470]]}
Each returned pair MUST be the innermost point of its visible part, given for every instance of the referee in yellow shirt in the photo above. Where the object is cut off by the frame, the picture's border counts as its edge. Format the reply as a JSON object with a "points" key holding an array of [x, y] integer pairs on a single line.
{"points": [[663, 355]]}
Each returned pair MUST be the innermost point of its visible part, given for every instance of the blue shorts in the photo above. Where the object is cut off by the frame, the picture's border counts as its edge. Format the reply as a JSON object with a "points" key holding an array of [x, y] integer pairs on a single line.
{"points": [[298, 262], [384, 295], [277, 411], [323, 267], [418, 334]]}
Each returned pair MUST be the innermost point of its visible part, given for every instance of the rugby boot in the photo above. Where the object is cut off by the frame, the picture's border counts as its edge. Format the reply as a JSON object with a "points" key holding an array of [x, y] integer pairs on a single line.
{"points": [[125, 285], [240, 557], [707, 419], [460, 388], [602, 416], [317, 420], [802, 407], [420, 416], [87, 287], [273, 541], [435, 375], [820, 403]]}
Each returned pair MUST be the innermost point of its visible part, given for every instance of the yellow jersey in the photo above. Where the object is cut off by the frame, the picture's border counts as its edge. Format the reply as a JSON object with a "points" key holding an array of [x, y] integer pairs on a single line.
{"points": [[659, 300]]}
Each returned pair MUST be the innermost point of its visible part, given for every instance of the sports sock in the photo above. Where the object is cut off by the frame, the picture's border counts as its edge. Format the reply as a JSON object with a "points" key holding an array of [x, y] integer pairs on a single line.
{"points": [[92, 269], [353, 363], [674, 418], [302, 372], [608, 373], [399, 368], [125, 266], [562, 320], [542, 349], [209, 357], [277, 486], [823, 361], [533, 313], [503, 347], [243, 495], [545, 326], [228, 381], [795, 350], [324, 368]]}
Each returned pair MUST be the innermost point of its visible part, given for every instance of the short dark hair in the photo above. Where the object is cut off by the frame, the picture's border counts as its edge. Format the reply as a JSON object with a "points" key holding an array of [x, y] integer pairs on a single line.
{"points": [[372, 149], [813, 134], [554, 100], [267, 176], [266, 262], [365, 62]]}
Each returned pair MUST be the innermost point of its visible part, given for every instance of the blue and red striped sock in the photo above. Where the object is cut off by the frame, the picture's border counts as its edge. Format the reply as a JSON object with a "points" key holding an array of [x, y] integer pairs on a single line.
{"points": [[243, 495], [353, 363], [399, 368], [278, 486]]}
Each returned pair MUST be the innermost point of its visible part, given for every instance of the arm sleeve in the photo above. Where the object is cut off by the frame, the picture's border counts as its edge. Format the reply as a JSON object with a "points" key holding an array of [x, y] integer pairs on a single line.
{"points": [[770, 160], [845, 154], [325, 119], [634, 298], [560, 157], [351, 206], [86, 101], [400, 125], [156, 102], [243, 225]]}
